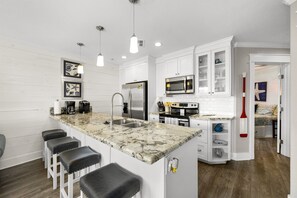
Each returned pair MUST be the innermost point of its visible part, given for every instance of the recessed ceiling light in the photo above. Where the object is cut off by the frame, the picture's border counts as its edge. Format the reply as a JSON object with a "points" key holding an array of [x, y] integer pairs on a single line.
{"points": [[124, 57], [158, 44]]}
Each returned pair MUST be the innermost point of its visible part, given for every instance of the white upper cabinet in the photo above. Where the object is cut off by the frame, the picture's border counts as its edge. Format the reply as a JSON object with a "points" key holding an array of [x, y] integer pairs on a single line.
{"points": [[160, 79], [135, 73], [180, 66], [185, 65], [171, 68], [213, 68]]}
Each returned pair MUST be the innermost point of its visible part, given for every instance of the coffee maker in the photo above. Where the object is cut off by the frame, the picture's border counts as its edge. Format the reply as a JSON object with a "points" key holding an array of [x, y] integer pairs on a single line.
{"points": [[84, 106], [70, 107]]}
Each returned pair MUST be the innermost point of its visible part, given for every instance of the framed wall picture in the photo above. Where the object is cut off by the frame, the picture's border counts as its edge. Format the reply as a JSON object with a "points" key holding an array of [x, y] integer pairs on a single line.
{"points": [[261, 91], [70, 69], [72, 89]]}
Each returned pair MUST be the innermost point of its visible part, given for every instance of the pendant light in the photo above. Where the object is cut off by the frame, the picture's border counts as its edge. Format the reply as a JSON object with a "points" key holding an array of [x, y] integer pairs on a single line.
{"points": [[100, 58], [80, 67], [133, 39]]}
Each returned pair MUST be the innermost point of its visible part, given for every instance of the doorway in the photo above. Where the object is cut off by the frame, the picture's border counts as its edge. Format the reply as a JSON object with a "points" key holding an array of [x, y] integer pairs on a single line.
{"points": [[281, 124]]}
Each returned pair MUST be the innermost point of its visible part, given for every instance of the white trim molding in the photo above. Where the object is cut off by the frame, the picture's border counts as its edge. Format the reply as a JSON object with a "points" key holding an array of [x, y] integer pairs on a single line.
{"points": [[288, 2], [262, 45], [240, 156], [259, 59]]}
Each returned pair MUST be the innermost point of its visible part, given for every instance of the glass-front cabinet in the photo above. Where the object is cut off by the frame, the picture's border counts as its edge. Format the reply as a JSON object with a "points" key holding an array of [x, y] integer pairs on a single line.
{"points": [[213, 72], [204, 73]]}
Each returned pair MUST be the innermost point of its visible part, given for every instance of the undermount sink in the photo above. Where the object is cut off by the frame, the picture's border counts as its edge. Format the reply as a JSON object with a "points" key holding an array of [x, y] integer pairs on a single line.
{"points": [[207, 115], [134, 125], [128, 123], [122, 121]]}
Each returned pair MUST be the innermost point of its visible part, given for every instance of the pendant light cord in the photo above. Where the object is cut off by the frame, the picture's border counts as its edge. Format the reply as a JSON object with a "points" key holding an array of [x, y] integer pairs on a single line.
{"points": [[100, 41], [133, 18], [80, 54]]}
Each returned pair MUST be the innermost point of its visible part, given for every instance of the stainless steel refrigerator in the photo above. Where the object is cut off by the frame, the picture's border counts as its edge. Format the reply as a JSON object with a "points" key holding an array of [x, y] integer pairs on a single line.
{"points": [[135, 104]]}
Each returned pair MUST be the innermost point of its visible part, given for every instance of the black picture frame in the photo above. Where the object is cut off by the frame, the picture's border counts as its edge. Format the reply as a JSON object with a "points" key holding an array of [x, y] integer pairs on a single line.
{"points": [[261, 91], [70, 69], [72, 89]]}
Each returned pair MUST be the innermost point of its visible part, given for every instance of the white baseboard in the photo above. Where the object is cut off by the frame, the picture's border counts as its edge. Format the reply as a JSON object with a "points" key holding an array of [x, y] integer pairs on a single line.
{"points": [[10, 162], [241, 156]]}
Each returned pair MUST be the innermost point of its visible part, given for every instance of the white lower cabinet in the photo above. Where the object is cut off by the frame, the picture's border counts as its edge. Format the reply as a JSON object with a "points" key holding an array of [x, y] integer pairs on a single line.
{"points": [[214, 142], [202, 151], [79, 136], [101, 148]]}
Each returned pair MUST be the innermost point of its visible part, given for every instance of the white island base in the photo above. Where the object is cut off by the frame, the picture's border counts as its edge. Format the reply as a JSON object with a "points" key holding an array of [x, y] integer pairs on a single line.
{"points": [[157, 181]]}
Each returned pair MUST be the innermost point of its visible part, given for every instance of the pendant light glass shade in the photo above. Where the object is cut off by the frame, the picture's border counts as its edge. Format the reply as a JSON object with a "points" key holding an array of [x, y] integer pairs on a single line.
{"points": [[80, 69], [100, 60], [133, 44]]}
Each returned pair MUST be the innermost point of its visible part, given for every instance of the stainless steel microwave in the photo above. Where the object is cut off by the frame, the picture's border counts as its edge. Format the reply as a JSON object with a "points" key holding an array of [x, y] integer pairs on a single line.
{"points": [[180, 85]]}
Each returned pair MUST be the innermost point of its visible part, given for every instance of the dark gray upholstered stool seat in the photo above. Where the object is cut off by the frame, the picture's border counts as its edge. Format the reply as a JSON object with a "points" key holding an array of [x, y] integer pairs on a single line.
{"points": [[53, 134], [109, 182], [79, 158], [59, 145]]}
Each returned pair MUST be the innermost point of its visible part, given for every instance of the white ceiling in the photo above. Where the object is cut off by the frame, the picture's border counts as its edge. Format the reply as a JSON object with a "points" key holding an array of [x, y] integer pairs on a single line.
{"points": [[60, 24]]}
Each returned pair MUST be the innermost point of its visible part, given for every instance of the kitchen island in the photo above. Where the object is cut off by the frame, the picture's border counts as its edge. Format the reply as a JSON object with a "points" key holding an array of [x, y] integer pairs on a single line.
{"points": [[146, 150]]}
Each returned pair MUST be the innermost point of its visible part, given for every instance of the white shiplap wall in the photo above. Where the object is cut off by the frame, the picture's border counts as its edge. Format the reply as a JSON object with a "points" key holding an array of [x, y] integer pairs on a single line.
{"points": [[30, 82]]}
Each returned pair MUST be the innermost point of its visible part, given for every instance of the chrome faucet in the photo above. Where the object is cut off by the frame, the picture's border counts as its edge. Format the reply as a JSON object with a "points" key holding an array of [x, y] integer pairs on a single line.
{"points": [[117, 93]]}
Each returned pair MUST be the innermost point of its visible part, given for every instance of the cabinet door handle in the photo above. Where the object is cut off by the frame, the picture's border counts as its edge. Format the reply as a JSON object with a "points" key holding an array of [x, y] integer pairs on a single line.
{"points": [[198, 124], [209, 92], [199, 150], [199, 135]]}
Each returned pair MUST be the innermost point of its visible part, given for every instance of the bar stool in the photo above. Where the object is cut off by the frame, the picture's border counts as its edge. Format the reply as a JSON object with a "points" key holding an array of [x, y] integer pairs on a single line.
{"points": [[79, 159], [110, 181], [49, 135], [54, 148]]}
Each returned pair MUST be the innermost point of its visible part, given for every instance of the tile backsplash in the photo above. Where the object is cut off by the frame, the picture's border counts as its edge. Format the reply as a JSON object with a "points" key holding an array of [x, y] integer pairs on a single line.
{"points": [[215, 105]]}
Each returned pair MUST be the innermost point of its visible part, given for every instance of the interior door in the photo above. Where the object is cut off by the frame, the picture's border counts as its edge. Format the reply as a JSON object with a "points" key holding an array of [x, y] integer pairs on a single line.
{"points": [[283, 131]]}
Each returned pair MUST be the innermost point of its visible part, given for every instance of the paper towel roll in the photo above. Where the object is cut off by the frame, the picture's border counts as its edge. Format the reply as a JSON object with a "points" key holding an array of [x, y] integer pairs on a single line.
{"points": [[57, 107]]}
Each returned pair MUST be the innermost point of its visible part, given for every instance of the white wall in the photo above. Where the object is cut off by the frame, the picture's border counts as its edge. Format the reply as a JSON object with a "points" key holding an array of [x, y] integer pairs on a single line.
{"points": [[269, 74], [30, 82], [293, 100]]}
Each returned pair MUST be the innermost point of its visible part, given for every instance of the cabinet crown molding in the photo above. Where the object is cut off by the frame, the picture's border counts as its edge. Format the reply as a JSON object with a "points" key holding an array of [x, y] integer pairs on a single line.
{"points": [[176, 54], [145, 59], [288, 2], [226, 42]]}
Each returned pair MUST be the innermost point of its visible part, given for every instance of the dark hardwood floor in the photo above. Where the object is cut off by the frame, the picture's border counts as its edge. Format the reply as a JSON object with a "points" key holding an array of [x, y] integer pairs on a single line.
{"points": [[266, 176]]}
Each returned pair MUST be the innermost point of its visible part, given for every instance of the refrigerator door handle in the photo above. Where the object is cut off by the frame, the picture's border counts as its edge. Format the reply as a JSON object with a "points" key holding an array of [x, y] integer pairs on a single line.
{"points": [[130, 104]]}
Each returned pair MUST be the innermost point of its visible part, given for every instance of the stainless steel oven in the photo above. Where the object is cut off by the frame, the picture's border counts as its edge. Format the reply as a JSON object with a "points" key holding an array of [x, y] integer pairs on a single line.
{"points": [[180, 113], [180, 85]]}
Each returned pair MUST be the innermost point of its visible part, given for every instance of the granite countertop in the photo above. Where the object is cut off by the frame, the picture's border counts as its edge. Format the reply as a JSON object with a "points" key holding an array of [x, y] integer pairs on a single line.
{"points": [[212, 117], [148, 143]]}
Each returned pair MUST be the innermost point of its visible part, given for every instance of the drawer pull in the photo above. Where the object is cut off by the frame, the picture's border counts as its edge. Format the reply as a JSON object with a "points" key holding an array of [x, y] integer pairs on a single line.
{"points": [[199, 150], [198, 124]]}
